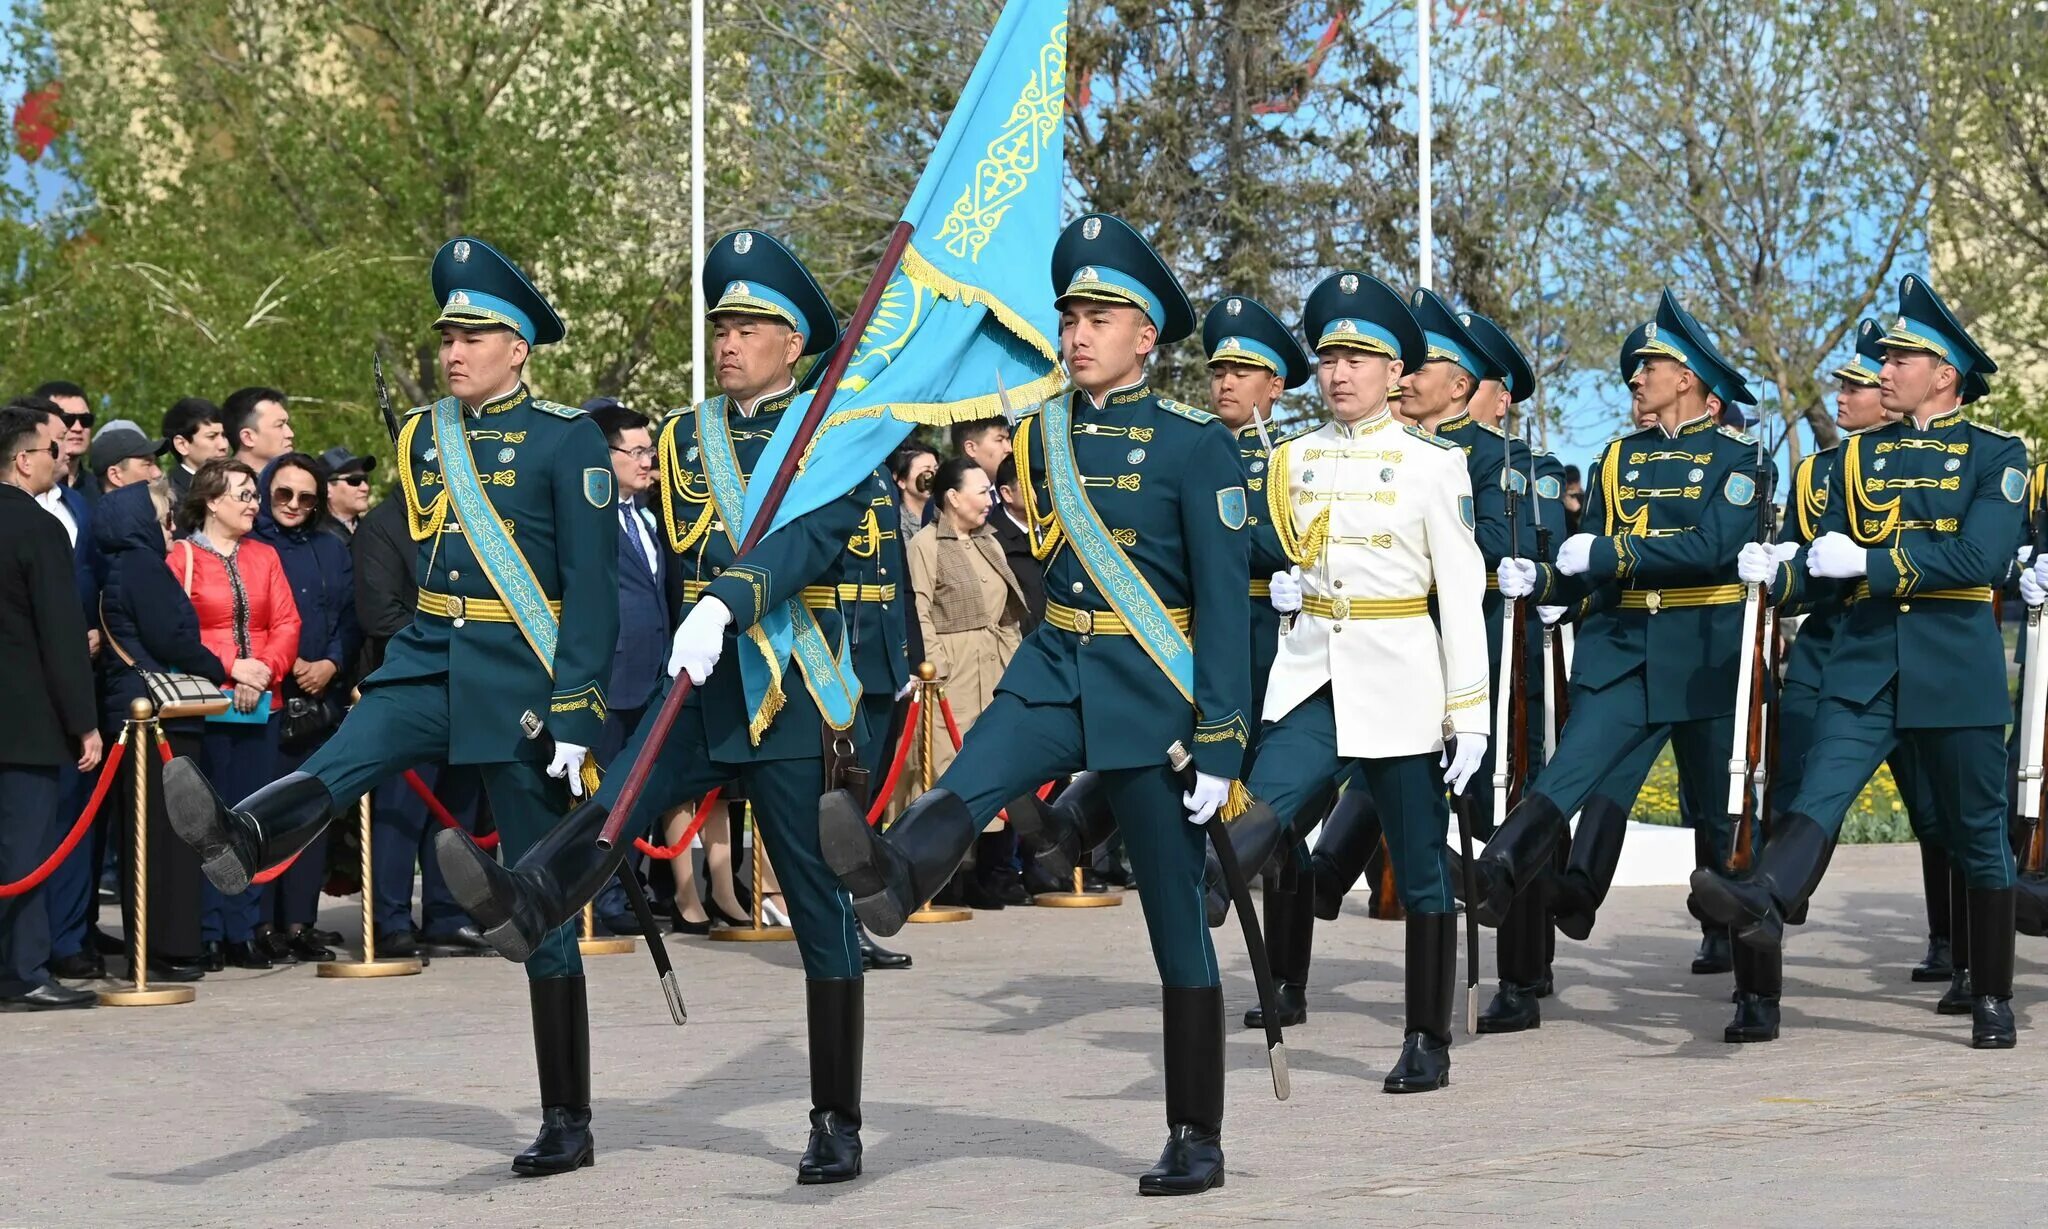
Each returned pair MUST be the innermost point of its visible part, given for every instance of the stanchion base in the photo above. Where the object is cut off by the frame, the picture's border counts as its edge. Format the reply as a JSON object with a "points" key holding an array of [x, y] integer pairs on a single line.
{"points": [[750, 934], [942, 913], [153, 996], [397, 966], [606, 946], [1077, 900]]}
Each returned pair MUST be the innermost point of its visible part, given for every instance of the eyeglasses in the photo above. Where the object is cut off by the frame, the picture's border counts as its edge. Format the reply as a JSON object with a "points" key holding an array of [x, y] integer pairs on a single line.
{"points": [[241, 497], [293, 499], [76, 420], [353, 479], [55, 450], [638, 454]]}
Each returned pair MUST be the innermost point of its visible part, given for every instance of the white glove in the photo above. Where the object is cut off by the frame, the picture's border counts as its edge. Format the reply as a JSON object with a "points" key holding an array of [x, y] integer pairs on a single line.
{"points": [[568, 762], [1551, 614], [1576, 555], [2026, 553], [1834, 557], [699, 640], [1517, 578], [907, 689], [1287, 591], [1209, 793], [2041, 570], [2032, 591], [1782, 552], [1757, 563], [1459, 767]]}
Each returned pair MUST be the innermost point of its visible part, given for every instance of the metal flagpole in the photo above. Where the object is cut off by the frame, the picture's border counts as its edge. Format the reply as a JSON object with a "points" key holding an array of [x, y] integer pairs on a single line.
{"points": [[1422, 202], [696, 202]]}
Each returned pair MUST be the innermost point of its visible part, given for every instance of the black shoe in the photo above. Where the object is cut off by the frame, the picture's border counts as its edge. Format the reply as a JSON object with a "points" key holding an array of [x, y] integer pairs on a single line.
{"points": [[1192, 1161], [516, 908], [1092, 880], [1991, 961], [1936, 965], [462, 941], [173, 971], [402, 944], [620, 924], [1957, 999], [213, 956], [973, 893], [86, 965], [1515, 1008], [680, 925], [246, 956], [874, 956], [1759, 983], [304, 948], [1037, 879], [49, 997], [721, 919], [1991, 1026], [269, 826], [328, 938], [275, 944], [1009, 889], [561, 1047], [1425, 1062], [1756, 1019], [890, 876], [1292, 1000], [1713, 954], [835, 1012]]}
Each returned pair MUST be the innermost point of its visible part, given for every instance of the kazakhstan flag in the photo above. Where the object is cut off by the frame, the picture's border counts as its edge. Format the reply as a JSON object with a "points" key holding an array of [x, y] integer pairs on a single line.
{"points": [[970, 305]]}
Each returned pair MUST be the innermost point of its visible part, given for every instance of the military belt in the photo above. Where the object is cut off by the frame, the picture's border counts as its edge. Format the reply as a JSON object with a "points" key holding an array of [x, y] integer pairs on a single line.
{"points": [[1104, 622], [1981, 593], [1492, 584], [817, 597], [482, 609], [1654, 600], [1364, 607]]}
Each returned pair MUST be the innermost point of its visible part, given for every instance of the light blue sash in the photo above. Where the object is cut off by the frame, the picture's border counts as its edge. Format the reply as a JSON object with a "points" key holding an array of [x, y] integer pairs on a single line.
{"points": [[1114, 574], [496, 553], [790, 629]]}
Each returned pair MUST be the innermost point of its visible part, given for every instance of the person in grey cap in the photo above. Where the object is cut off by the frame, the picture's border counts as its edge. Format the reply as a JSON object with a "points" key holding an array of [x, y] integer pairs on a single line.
{"points": [[121, 454], [348, 490]]}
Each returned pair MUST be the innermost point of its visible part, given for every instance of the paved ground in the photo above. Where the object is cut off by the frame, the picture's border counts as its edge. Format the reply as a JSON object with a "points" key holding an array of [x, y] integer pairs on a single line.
{"points": [[1013, 1079]]}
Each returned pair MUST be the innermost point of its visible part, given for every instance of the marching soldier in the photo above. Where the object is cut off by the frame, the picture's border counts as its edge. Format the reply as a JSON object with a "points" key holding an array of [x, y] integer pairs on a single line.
{"points": [[1920, 522], [1138, 505], [777, 704], [1658, 656], [510, 498], [1374, 514]]}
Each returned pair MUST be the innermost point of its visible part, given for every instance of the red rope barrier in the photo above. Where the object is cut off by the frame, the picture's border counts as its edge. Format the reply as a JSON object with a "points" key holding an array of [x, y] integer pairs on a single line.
{"points": [[895, 772], [439, 812], [34, 879], [952, 726], [163, 749], [666, 853]]}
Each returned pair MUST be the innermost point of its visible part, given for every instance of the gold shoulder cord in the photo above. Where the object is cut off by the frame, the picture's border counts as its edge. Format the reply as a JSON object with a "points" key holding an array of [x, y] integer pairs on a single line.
{"points": [[1811, 502], [423, 521], [1610, 489], [1302, 548], [1859, 501], [1044, 530], [675, 482]]}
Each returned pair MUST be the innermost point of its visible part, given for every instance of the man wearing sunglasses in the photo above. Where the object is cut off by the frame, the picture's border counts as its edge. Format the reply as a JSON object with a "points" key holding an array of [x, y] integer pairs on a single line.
{"points": [[348, 490], [76, 412]]}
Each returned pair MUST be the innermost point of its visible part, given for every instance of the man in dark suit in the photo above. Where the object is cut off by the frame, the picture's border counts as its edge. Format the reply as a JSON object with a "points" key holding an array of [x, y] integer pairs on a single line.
{"points": [[1016, 539], [47, 716]]}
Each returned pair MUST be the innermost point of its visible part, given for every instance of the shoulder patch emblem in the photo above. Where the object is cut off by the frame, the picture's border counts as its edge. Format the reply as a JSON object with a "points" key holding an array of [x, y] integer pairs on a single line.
{"points": [[1988, 428], [1517, 481], [1420, 434], [1186, 411], [1741, 488], [557, 408], [1738, 435], [1230, 507], [1549, 488], [597, 487], [1465, 510], [2013, 485]]}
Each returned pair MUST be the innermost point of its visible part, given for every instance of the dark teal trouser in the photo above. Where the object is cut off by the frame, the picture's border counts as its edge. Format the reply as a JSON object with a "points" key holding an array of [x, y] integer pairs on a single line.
{"points": [[1298, 761], [1607, 726], [396, 726], [1797, 708], [1014, 747], [1962, 773], [783, 798]]}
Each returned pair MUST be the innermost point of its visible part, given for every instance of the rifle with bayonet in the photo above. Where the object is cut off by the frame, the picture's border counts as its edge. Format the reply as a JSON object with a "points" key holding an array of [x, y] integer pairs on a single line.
{"points": [[1748, 764]]}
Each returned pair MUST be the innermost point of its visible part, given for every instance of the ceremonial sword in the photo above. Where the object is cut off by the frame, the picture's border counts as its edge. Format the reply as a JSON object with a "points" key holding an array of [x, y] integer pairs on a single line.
{"points": [[384, 400], [1183, 766]]}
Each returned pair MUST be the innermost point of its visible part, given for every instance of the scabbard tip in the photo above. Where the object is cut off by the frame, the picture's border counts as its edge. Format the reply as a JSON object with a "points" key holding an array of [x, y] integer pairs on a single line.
{"points": [[1276, 1058]]}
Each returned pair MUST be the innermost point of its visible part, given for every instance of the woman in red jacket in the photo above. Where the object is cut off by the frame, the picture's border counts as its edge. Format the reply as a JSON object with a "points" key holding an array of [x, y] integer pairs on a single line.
{"points": [[248, 618]]}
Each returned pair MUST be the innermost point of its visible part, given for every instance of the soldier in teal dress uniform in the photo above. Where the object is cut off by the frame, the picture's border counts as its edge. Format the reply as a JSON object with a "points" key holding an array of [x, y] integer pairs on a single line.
{"points": [[510, 498], [1138, 506], [766, 706], [1656, 652], [1921, 520]]}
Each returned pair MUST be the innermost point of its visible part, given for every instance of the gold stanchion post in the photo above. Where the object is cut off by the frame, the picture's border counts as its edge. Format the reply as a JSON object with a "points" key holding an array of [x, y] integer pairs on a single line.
{"points": [[757, 933], [139, 733], [588, 941], [932, 694], [369, 965]]}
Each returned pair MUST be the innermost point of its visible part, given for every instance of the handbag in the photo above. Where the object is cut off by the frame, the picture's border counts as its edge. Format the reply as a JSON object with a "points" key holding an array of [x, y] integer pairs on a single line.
{"points": [[306, 718], [174, 693]]}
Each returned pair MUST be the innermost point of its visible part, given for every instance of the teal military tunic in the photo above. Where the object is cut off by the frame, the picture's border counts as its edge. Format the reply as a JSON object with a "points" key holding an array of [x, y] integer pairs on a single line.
{"points": [[1082, 692], [775, 751], [876, 606], [456, 683], [1918, 659], [1659, 654]]}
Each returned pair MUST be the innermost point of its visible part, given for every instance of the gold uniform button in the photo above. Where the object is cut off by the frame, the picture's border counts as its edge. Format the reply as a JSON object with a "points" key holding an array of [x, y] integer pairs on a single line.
{"points": [[1904, 607], [454, 575], [1339, 584], [1078, 587]]}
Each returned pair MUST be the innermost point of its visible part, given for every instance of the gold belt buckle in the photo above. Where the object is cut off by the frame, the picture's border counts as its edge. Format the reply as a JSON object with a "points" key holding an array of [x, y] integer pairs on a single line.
{"points": [[1084, 622], [1653, 601], [457, 609], [1340, 608]]}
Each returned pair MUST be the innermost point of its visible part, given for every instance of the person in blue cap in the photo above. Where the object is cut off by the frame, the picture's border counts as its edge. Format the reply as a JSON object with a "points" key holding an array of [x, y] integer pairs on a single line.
{"points": [[1674, 504], [1373, 515], [1921, 519], [510, 498], [1137, 505], [786, 739]]}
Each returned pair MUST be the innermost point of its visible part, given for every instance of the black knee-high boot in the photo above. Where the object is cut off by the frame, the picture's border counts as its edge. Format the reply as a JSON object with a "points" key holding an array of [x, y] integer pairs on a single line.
{"points": [[1062, 835], [561, 1049], [1935, 966], [891, 875], [1755, 908], [517, 906], [1991, 958], [1521, 952], [1518, 853], [1957, 999], [1192, 1160], [1350, 836], [267, 827], [1425, 1061], [836, 1010], [1759, 983], [1595, 854], [1290, 930]]}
